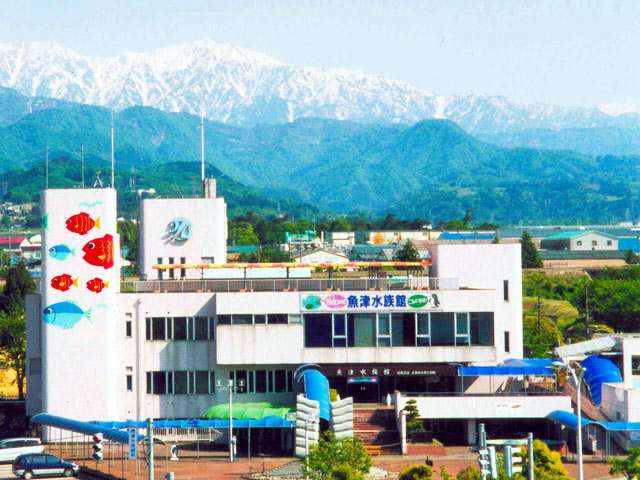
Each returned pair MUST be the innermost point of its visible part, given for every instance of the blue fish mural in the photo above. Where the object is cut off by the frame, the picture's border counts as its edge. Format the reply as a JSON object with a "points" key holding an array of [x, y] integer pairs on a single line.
{"points": [[64, 314], [61, 252]]}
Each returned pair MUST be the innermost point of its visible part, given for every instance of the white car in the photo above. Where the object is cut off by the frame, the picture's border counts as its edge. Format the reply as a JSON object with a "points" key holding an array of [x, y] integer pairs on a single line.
{"points": [[10, 448]]}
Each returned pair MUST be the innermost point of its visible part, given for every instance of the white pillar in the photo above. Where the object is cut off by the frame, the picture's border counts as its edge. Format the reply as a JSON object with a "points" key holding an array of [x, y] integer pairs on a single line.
{"points": [[472, 437]]}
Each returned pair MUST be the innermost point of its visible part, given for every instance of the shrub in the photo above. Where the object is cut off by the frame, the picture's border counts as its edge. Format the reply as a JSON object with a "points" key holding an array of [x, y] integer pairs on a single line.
{"points": [[416, 472]]}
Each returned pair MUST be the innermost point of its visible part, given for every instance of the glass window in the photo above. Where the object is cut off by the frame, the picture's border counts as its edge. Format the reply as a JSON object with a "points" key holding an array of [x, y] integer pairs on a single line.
{"points": [[147, 322], [201, 328], [259, 319], [224, 319], [202, 382], [280, 381], [240, 381], [159, 328], [579, 244], [317, 330], [505, 290], [339, 325], [180, 383], [403, 329], [212, 328], [384, 330], [635, 365], [462, 329], [594, 243], [261, 381], [278, 318], [507, 343], [242, 319], [149, 382], [270, 381], [129, 383], [423, 337], [180, 328], [128, 328], [364, 330], [251, 384], [289, 380], [212, 382], [295, 318], [442, 329], [159, 383], [482, 328]]}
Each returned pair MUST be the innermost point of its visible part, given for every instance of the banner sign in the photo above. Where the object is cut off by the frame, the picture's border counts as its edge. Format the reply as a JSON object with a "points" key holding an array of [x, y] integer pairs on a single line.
{"points": [[371, 301], [133, 442], [381, 370]]}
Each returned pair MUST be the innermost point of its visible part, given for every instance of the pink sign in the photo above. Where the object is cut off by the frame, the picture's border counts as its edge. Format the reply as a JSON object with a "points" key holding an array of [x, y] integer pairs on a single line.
{"points": [[335, 301]]}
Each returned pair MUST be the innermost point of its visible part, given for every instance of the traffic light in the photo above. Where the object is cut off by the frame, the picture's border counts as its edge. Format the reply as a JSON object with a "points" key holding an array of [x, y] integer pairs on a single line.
{"points": [[511, 460], [97, 447], [487, 461]]}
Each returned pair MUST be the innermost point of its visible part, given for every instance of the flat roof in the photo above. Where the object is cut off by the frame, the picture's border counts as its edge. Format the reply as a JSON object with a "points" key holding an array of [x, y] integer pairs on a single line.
{"points": [[292, 265]]}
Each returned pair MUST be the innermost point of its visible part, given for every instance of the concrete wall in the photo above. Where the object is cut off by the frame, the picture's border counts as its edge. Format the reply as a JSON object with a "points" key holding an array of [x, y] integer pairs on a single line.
{"points": [[487, 266], [207, 237], [78, 329]]}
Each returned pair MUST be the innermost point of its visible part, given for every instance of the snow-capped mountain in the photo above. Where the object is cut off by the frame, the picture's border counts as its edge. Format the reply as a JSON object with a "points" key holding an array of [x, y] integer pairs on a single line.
{"points": [[243, 87]]}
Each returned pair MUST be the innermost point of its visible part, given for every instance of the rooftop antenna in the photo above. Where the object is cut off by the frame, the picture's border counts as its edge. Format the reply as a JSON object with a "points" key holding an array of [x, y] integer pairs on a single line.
{"points": [[98, 182], [46, 169], [201, 140], [82, 161], [112, 157]]}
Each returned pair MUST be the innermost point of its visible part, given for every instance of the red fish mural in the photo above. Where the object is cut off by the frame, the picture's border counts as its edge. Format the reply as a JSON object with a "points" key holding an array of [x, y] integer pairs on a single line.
{"points": [[99, 252], [81, 223], [97, 285], [63, 282]]}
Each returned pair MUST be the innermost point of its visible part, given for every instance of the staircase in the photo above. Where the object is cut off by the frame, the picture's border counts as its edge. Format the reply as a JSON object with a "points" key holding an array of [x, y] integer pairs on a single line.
{"points": [[376, 427]]}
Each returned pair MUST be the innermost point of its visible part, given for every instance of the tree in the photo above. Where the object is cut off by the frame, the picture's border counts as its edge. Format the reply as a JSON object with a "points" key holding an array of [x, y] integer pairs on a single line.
{"points": [[631, 258], [416, 472], [408, 253], [19, 284], [330, 454], [128, 231], [530, 257], [13, 344], [469, 473], [414, 423], [539, 339], [629, 466], [547, 465]]}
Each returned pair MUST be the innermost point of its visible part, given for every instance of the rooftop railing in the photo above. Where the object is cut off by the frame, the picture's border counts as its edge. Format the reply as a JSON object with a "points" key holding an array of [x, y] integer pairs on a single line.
{"points": [[289, 285]]}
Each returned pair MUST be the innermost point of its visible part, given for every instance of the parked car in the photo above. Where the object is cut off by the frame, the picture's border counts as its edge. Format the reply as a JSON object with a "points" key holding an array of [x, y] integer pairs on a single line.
{"points": [[10, 448], [36, 464]]}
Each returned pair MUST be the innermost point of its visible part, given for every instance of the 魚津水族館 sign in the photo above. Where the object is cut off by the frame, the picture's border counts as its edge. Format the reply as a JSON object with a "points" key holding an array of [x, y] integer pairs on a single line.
{"points": [[370, 301]]}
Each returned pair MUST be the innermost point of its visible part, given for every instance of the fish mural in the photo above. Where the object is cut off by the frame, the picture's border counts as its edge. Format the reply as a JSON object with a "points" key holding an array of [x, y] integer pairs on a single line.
{"points": [[65, 314], [97, 285], [99, 252], [64, 282], [61, 252], [81, 223]]}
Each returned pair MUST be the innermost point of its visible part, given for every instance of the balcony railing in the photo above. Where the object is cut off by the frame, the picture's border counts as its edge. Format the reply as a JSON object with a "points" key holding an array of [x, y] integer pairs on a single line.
{"points": [[288, 285]]}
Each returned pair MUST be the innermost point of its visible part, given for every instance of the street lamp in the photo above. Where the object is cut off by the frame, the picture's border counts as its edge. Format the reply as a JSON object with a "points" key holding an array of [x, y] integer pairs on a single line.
{"points": [[232, 387], [572, 366]]}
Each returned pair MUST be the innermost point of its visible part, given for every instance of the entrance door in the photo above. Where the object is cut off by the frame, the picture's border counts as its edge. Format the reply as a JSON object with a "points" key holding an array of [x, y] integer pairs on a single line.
{"points": [[364, 392]]}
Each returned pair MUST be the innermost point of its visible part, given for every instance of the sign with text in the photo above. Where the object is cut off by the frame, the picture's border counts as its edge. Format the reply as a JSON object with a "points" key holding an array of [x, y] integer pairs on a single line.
{"points": [[356, 370], [133, 442], [371, 301]]}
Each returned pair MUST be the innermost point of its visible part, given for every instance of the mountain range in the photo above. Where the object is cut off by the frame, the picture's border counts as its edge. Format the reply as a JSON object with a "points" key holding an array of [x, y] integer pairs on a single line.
{"points": [[432, 169], [243, 88]]}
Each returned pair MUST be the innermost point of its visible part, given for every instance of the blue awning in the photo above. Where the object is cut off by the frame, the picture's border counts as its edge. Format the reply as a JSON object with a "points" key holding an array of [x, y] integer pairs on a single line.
{"points": [[270, 421], [570, 420], [504, 371], [85, 428]]}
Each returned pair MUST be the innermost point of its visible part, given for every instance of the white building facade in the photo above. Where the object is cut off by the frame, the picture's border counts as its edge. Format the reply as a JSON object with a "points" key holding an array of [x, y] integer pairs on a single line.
{"points": [[157, 347]]}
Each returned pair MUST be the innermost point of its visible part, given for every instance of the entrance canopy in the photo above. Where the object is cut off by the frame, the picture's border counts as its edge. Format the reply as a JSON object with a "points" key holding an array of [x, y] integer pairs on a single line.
{"points": [[85, 428]]}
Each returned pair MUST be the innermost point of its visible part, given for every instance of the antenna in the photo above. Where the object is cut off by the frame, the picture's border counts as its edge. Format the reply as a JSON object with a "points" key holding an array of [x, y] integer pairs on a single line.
{"points": [[201, 139], [112, 159], [46, 169], [98, 182], [82, 161]]}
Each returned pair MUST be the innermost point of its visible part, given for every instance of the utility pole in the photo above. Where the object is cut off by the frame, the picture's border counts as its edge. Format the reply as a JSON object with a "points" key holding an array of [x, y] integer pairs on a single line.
{"points": [[82, 161], [150, 444]]}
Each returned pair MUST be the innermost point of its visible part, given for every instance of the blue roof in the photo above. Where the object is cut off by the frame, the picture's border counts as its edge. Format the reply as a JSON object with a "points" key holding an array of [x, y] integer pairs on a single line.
{"points": [[529, 362], [270, 421], [466, 236]]}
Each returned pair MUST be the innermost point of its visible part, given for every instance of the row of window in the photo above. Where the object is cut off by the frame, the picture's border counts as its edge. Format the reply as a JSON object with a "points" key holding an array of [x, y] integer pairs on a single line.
{"points": [[594, 243], [180, 328], [259, 319], [203, 382], [403, 329]]}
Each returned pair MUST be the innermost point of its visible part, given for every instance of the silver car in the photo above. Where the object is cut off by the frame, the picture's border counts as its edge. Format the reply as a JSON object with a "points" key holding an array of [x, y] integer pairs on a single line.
{"points": [[10, 448]]}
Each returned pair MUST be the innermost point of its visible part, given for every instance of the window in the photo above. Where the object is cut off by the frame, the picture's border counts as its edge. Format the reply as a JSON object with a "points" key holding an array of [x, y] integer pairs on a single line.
{"points": [[481, 328], [317, 330], [160, 272], [403, 329], [224, 319], [505, 290], [261, 381], [635, 365], [180, 328], [180, 382], [212, 382], [159, 328], [579, 243], [462, 329], [340, 330], [507, 342], [259, 319], [171, 270], [127, 328], [202, 382], [277, 318], [280, 381], [242, 319], [594, 243], [183, 272], [129, 382], [201, 328], [384, 330], [609, 243], [206, 260], [364, 330], [423, 337], [442, 329]]}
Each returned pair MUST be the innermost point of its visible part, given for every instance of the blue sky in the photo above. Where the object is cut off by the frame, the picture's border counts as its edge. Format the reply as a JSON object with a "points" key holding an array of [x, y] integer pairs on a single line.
{"points": [[559, 52]]}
